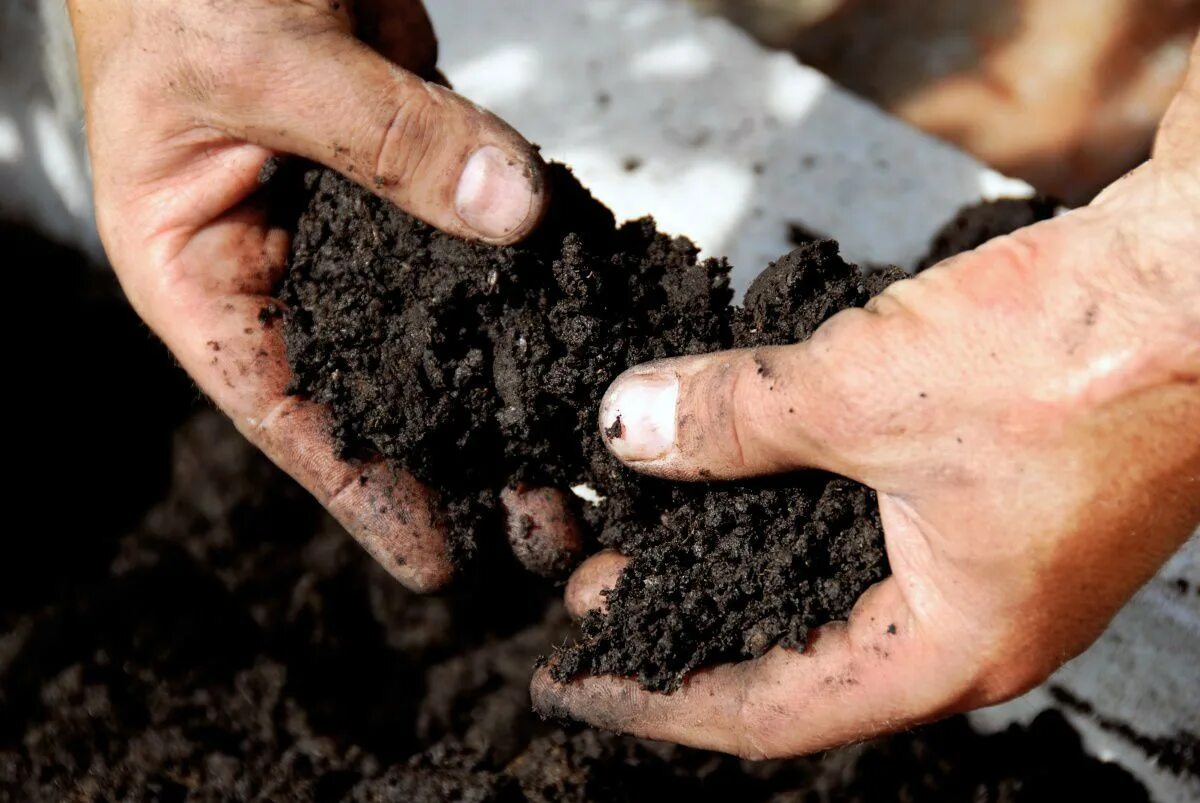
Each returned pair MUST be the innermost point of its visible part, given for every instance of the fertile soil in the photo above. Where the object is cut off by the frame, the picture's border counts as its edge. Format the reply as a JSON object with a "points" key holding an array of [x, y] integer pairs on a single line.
{"points": [[476, 367], [194, 627], [975, 225]]}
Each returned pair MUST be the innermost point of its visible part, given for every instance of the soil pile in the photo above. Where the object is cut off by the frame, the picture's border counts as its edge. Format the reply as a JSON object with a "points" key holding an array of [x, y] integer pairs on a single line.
{"points": [[476, 367]]}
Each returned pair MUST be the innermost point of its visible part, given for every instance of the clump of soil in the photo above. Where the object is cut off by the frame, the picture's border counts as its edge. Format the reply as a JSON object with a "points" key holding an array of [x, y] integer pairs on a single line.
{"points": [[216, 636], [976, 224], [479, 367], [476, 367]]}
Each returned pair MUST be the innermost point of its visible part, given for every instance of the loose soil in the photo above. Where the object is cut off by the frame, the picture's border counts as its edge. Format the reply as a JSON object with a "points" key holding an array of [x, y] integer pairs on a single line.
{"points": [[476, 367], [975, 225], [194, 627]]}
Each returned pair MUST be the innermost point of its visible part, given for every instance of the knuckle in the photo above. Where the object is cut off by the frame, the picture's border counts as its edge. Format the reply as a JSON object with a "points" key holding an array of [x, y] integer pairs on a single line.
{"points": [[1016, 254], [763, 729], [981, 664], [1000, 672], [230, 69], [409, 136], [224, 78], [766, 719], [848, 380], [713, 408]]}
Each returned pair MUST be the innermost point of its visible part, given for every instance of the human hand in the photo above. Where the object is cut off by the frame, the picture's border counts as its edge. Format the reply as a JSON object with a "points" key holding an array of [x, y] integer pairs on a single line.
{"points": [[1029, 414], [185, 103]]}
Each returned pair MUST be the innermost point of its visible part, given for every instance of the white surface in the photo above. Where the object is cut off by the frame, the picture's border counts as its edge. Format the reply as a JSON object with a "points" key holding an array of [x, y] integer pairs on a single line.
{"points": [[699, 105]]}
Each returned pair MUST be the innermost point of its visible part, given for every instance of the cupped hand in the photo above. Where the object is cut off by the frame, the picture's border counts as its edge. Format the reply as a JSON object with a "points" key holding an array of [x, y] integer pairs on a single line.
{"points": [[185, 103], [1029, 414]]}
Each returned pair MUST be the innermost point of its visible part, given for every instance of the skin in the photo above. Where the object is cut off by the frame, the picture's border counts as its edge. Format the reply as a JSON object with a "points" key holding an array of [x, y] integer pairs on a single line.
{"points": [[185, 102], [1029, 414]]}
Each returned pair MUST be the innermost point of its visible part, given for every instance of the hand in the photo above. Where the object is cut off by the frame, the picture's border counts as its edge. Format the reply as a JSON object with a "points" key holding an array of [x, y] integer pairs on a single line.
{"points": [[185, 102], [1029, 414]]}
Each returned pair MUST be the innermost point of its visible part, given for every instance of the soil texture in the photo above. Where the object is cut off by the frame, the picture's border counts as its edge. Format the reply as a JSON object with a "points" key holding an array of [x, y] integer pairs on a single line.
{"points": [[975, 225], [476, 367]]}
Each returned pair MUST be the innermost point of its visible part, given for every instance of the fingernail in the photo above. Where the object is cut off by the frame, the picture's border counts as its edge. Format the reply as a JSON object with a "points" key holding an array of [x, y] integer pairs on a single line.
{"points": [[637, 416], [494, 196]]}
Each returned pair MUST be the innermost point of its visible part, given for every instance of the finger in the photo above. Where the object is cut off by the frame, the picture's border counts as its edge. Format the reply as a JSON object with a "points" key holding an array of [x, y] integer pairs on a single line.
{"points": [[737, 413], [542, 530], [330, 98], [212, 308], [878, 673], [589, 584]]}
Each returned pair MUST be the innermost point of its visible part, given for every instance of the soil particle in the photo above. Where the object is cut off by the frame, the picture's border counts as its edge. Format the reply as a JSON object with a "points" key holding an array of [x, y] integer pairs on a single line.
{"points": [[269, 170], [268, 315], [616, 430]]}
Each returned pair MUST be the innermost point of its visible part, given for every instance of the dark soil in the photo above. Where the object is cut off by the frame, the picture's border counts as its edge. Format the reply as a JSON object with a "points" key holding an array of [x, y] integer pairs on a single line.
{"points": [[975, 225], [476, 367], [202, 631]]}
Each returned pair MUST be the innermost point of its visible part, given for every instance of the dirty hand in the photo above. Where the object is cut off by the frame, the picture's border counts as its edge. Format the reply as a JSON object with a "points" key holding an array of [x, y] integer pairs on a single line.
{"points": [[185, 102], [1029, 414]]}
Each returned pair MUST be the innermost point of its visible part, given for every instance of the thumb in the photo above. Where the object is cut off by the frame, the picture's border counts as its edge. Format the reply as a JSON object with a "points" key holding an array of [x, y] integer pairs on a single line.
{"points": [[750, 412], [331, 99]]}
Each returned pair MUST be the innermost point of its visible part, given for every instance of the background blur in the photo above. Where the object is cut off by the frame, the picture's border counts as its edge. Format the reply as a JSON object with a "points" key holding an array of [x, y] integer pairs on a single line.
{"points": [[1065, 94]]}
